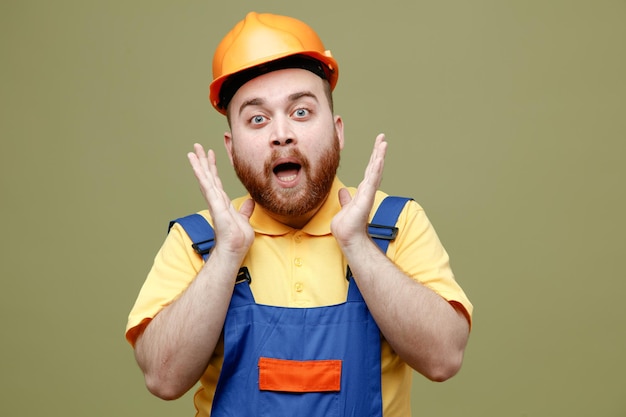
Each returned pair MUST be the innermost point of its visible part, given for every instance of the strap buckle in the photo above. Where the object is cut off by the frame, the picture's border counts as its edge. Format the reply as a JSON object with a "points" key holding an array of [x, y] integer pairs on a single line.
{"points": [[243, 275], [204, 247], [379, 231]]}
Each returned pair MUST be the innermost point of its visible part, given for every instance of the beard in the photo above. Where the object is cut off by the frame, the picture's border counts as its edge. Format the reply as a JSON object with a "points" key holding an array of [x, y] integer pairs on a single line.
{"points": [[308, 195]]}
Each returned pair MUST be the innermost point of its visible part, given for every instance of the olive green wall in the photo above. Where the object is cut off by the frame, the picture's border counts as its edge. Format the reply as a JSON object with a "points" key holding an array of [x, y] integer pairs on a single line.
{"points": [[506, 120]]}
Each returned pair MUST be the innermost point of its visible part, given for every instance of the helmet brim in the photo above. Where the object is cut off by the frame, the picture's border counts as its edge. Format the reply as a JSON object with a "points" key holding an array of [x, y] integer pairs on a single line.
{"points": [[215, 88]]}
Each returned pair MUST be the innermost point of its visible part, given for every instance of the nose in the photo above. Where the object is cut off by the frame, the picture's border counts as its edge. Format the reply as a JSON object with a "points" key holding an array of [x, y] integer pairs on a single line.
{"points": [[282, 141], [282, 134]]}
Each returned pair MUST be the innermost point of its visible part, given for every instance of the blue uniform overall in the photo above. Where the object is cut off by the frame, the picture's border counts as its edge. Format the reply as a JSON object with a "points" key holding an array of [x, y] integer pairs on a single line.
{"points": [[280, 361]]}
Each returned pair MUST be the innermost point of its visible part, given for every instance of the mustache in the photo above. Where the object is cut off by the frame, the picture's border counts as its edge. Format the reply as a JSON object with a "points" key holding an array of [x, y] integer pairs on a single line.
{"points": [[292, 153]]}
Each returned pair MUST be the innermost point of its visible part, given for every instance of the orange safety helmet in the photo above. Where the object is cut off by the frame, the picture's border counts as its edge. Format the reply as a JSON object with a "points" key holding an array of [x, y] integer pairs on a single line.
{"points": [[263, 38]]}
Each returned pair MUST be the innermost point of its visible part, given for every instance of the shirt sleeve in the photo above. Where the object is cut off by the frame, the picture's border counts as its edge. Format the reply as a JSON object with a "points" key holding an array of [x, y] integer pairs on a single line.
{"points": [[418, 252], [175, 267]]}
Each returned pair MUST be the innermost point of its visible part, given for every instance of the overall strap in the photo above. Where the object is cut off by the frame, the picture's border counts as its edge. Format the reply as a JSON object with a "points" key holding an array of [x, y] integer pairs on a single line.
{"points": [[202, 237], [200, 232], [383, 228]]}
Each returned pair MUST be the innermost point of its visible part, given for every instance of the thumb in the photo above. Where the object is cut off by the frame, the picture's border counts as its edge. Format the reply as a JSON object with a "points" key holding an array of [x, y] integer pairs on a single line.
{"points": [[247, 208], [344, 197]]}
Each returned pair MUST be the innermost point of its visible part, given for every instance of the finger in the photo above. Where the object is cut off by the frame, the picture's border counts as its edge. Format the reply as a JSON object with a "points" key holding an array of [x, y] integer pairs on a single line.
{"points": [[205, 170], [202, 156], [380, 146], [212, 162], [373, 172], [247, 207], [195, 165], [198, 149], [344, 197], [195, 159]]}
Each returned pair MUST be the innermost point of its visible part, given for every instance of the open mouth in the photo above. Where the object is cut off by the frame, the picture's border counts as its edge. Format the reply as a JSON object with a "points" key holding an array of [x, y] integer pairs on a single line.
{"points": [[287, 172]]}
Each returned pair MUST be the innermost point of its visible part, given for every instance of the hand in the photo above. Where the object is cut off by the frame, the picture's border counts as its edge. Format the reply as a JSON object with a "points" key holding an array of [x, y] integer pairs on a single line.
{"points": [[350, 224], [233, 233]]}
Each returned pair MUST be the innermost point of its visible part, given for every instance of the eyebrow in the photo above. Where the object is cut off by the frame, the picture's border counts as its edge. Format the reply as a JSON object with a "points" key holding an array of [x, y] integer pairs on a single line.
{"points": [[292, 97], [251, 102], [296, 96]]}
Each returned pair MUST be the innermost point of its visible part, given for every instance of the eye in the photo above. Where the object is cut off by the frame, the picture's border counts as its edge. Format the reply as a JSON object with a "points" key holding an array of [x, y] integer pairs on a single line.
{"points": [[257, 120], [301, 113]]}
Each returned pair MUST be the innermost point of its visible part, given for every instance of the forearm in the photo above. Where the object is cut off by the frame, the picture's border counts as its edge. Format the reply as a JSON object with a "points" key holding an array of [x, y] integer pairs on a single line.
{"points": [[176, 346], [424, 329]]}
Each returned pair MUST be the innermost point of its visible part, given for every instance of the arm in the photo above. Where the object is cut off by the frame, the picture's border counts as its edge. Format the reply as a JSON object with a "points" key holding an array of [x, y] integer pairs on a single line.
{"points": [[424, 329], [176, 346]]}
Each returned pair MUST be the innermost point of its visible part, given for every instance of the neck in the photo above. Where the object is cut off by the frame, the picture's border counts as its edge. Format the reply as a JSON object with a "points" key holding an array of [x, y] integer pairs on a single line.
{"points": [[296, 222]]}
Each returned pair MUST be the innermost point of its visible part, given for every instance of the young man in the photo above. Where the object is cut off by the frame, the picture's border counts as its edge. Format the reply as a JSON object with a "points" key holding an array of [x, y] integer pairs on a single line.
{"points": [[325, 323]]}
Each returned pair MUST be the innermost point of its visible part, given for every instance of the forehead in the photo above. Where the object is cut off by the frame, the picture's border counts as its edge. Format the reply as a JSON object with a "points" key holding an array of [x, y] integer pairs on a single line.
{"points": [[277, 86]]}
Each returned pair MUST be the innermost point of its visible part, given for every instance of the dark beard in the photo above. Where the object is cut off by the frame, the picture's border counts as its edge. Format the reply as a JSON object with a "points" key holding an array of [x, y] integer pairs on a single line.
{"points": [[295, 201]]}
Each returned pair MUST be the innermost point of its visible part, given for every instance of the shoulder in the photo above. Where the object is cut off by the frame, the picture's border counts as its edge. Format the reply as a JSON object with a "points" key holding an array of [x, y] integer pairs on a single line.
{"points": [[409, 207]]}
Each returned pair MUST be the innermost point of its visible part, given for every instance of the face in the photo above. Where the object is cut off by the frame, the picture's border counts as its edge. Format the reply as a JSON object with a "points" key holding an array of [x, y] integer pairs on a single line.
{"points": [[285, 142]]}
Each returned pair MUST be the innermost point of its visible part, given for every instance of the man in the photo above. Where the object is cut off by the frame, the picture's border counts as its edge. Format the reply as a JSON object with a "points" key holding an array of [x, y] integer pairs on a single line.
{"points": [[295, 337]]}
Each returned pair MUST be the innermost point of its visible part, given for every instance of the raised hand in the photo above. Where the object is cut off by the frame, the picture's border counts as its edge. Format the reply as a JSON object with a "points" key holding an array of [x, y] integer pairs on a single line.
{"points": [[350, 224], [233, 233]]}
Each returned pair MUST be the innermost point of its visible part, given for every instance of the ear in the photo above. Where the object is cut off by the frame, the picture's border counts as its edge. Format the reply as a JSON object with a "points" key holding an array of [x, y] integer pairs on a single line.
{"points": [[339, 130], [228, 144]]}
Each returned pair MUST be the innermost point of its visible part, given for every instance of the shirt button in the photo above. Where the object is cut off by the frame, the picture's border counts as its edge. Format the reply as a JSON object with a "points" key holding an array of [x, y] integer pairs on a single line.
{"points": [[298, 238], [297, 262], [299, 287]]}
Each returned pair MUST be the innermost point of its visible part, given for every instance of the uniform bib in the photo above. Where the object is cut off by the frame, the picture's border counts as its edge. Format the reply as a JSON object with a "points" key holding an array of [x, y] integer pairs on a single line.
{"points": [[305, 362]]}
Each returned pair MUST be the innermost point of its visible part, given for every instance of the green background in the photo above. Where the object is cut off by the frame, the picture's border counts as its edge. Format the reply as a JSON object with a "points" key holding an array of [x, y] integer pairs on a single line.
{"points": [[506, 121]]}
